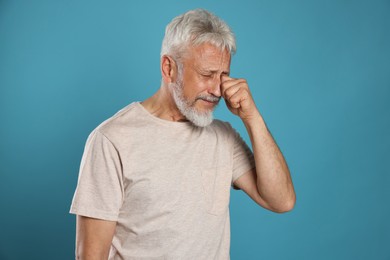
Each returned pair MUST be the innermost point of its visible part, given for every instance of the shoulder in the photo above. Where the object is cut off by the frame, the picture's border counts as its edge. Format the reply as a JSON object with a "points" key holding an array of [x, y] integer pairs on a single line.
{"points": [[221, 126], [117, 124]]}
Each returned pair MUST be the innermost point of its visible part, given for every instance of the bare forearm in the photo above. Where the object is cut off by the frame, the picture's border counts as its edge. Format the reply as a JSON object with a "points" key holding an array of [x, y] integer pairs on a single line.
{"points": [[273, 176], [273, 179], [93, 238]]}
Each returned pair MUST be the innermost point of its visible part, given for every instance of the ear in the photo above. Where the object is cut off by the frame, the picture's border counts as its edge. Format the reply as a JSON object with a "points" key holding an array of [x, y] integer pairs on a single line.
{"points": [[168, 69]]}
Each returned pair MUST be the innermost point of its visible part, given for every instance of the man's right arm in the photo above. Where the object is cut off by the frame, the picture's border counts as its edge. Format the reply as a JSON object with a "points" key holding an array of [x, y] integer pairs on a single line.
{"points": [[93, 238]]}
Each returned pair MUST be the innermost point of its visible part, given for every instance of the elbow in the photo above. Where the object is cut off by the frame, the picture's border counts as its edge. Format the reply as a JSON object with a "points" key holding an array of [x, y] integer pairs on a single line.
{"points": [[288, 202], [287, 206]]}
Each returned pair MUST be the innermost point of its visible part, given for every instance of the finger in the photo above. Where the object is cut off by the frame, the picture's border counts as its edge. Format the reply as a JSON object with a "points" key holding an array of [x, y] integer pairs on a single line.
{"points": [[225, 78], [229, 83], [239, 96], [232, 81], [228, 92]]}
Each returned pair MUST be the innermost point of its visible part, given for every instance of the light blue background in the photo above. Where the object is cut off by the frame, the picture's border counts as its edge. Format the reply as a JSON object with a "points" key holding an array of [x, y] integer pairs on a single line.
{"points": [[318, 70]]}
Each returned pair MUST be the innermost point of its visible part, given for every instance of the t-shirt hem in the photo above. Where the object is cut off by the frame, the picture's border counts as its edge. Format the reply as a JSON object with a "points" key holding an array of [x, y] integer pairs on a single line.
{"points": [[242, 172], [93, 214]]}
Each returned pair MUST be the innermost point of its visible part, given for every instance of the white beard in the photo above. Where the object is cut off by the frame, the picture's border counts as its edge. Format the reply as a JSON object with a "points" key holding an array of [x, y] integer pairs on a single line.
{"points": [[187, 108]]}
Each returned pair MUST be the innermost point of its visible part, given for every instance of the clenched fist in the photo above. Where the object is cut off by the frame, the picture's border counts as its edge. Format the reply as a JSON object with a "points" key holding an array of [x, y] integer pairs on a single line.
{"points": [[238, 98]]}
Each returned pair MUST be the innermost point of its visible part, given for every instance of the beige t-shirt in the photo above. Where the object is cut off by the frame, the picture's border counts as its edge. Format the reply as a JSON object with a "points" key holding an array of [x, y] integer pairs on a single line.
{"points": [[167, 184]]}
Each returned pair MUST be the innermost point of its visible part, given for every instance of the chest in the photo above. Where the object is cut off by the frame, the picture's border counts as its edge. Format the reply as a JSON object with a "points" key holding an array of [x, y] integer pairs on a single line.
{"points": [[177, 174]]}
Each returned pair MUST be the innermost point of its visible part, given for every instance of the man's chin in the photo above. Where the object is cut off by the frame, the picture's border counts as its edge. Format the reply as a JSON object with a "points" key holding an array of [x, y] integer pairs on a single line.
{"points": [[200, 119]]}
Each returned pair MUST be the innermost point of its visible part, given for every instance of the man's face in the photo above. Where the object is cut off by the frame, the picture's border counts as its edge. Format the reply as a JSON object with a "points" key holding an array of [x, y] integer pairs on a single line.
{"points": [[197, 91]]}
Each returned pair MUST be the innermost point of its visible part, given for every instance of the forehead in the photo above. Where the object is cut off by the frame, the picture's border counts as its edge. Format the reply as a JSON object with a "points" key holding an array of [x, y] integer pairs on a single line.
{"points": [[209, 57]]}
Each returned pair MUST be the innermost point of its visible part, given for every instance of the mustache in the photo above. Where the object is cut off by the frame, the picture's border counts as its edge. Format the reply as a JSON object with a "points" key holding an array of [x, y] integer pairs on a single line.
{"points": [[208, 98]]}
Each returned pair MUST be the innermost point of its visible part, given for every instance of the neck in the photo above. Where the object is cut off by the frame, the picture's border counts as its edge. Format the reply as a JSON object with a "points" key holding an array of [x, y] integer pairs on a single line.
{"points": [[162, 105]]}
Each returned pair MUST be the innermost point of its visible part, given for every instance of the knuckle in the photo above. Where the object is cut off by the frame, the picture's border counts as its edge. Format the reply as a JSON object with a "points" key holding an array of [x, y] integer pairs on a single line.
{"points": [[235, 99]]}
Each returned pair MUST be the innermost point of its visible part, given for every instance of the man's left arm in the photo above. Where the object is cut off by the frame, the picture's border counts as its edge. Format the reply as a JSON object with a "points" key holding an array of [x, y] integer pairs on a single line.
{"points": [[269, 184]]}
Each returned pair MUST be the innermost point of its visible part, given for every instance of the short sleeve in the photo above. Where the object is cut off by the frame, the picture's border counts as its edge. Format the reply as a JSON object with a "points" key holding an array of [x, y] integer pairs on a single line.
{"points": [[99, 191], [243, 159]]}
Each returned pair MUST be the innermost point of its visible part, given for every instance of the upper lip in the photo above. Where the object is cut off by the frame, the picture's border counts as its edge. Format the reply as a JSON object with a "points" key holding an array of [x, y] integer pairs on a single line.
{"points": [[211, 100]]}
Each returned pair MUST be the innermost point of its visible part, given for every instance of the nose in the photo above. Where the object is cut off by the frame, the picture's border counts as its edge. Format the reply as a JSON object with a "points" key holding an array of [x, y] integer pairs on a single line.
{"points": [[215, 89]]}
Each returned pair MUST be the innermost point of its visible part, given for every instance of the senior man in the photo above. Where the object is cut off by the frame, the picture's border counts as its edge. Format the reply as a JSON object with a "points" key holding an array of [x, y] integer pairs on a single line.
{"points": [[155, 178]]}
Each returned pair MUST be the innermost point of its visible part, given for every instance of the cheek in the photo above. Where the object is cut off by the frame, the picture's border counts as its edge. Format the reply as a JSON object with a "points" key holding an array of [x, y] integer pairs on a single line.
{"points": [[196, 87], [203, 84], [206, 85]]}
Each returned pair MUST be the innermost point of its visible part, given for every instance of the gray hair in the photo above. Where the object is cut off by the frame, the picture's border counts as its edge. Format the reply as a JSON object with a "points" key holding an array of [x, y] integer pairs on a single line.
{"points": [[194, 28]]}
